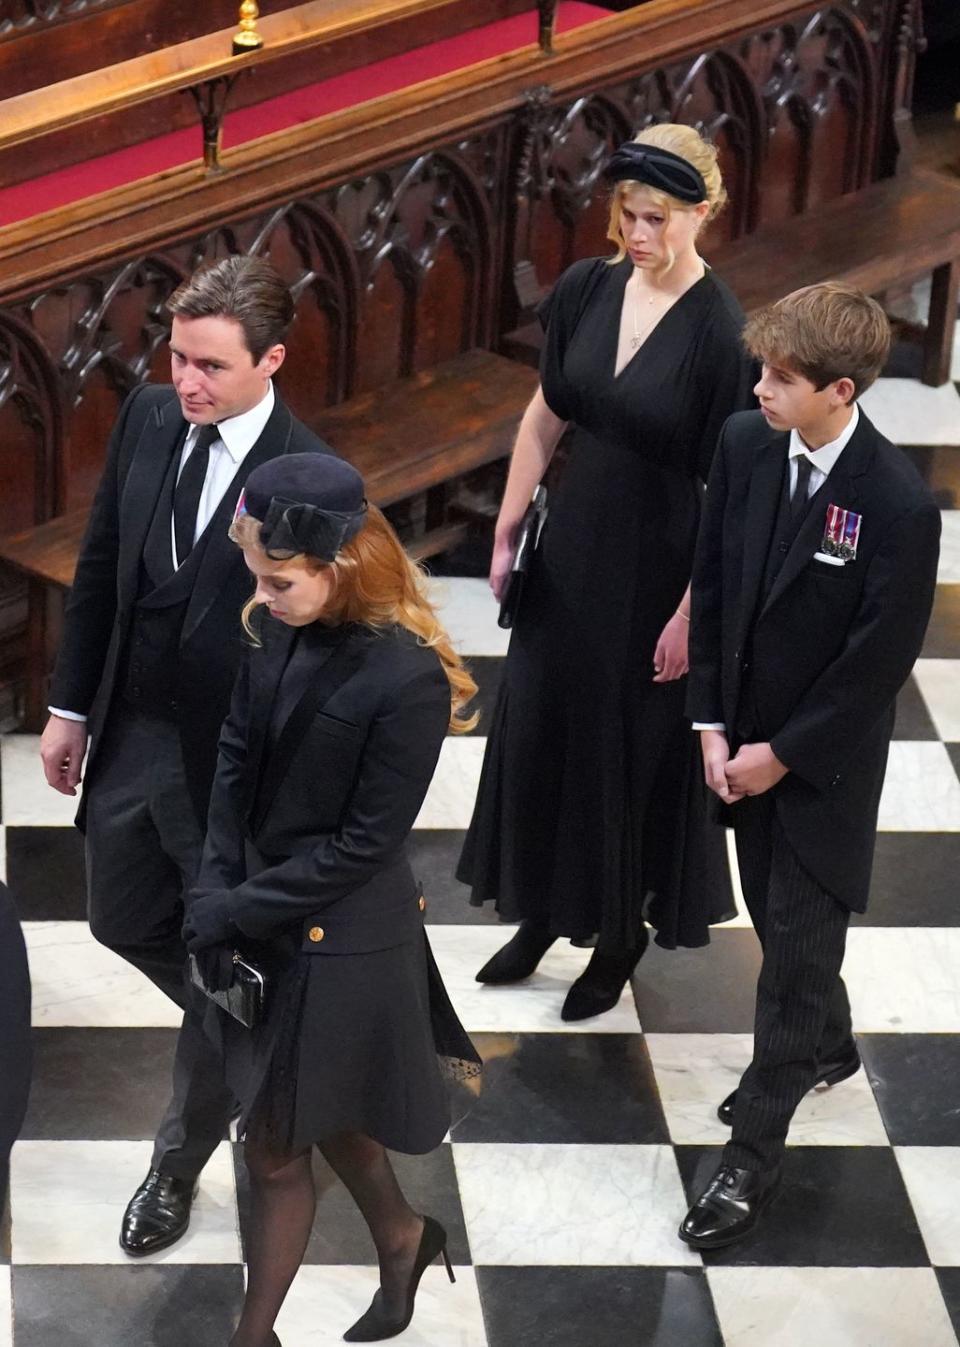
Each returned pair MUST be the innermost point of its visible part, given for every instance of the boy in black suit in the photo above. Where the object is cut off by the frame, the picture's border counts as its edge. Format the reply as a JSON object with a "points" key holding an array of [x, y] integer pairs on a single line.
{"points": [[812, 586]]}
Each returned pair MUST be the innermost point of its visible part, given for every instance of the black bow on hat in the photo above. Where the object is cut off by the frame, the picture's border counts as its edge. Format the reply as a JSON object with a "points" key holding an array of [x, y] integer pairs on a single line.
{"points": [[311, 503], [656, 168]]}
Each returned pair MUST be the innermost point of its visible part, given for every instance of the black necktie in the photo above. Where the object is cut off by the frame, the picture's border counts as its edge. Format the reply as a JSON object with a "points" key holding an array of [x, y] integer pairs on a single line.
{"points": [[798, 501], [186, 498]]}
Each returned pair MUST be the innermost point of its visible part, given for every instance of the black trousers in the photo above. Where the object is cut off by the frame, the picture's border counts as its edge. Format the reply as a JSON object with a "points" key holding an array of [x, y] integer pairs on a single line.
{"points": [[143, 850], [15, 1047], [802, 1014]]}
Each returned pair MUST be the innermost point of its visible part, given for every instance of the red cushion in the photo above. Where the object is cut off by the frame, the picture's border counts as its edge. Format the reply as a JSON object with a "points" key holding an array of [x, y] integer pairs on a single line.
{"points": [[276, 114]]}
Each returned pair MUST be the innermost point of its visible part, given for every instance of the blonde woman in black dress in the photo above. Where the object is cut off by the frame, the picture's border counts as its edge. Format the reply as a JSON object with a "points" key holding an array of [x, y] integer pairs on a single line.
{"points": [[591, 814], [332, 739]]}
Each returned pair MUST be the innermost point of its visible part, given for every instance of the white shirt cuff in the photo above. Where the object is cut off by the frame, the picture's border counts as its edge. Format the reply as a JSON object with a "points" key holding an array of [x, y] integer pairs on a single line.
{"points": [[700, 725], [67, 715]]}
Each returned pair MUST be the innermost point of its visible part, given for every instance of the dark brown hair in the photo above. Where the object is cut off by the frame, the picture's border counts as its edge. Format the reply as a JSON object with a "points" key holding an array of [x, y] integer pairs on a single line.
{"points": [[824, 332], [247, 289]]}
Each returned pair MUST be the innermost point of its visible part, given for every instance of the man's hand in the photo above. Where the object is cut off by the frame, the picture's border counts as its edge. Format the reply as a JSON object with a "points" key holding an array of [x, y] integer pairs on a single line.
{"points": [[755, 769], [716, 755], [63, 747]]}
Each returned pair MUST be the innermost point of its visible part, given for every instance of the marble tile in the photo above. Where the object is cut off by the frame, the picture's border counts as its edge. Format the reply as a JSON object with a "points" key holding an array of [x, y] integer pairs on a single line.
{"points": [[949, 1280], [942, 640], [434, 854], [832, 1307], [76, 981], [45, 871], [909, 412], [137, 1305], [932, 1176], [527, 1007], [324, 1301], [698, 991], [559, 1205], [939, 682], [6, 1309], [916, 1081], [67, 1199], [914, 881], [696, 1071], [904, 980], [449, 802], [468, 610], [921, 792], [742, 919], [912, 719], [948, 571], [27, 798], [598, 1307]]}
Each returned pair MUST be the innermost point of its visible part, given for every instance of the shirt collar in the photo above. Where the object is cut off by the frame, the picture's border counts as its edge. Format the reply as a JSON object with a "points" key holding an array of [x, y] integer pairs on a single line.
{"points": [[824, 459], [240, 433]]}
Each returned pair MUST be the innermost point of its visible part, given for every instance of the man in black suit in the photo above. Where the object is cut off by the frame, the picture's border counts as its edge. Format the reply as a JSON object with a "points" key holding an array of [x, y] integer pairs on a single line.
{"points": [[812, 586], [152, 641], [16, 1054]]}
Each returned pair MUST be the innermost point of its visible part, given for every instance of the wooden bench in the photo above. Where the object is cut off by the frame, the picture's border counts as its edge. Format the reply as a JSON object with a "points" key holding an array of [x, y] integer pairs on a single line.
{"points": [[409, 439], [890, 234]]}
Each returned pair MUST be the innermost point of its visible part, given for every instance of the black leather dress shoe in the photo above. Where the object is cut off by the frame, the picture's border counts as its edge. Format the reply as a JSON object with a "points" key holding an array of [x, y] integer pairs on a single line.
{"points": [[157, 1214], [729, 1206], [828, 1073]]}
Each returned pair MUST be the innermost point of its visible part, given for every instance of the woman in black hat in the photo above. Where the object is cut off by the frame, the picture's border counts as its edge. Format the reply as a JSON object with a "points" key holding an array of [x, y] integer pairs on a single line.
{"points": [[332, 739], [591, 814]]}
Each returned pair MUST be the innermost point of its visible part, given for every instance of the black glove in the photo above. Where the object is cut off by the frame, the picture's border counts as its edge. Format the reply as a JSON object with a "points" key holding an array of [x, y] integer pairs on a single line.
{"points": [[207, 921], [216, 967]]}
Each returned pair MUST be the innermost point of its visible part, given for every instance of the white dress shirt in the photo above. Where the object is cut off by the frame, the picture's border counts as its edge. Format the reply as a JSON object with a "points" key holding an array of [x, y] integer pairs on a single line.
{"points": [[823, 460], [238, 435]]}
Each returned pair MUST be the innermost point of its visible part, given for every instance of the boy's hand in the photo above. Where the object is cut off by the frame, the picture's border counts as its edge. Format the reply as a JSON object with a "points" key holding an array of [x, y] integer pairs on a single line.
{"points": [[716, 755], [755, 769]]}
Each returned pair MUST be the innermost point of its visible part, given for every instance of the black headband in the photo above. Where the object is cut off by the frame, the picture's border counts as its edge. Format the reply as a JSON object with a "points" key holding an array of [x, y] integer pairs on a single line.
{"points": [[291, 527], [656, 168]]}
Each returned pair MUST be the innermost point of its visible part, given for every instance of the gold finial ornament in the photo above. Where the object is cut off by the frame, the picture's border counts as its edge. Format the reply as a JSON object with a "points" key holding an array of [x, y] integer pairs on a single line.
{"points": [[248, 39]]}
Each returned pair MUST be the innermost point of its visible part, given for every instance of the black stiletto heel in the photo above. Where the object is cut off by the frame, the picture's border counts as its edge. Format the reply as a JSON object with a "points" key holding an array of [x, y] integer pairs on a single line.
{"points": [[374, 1325]]}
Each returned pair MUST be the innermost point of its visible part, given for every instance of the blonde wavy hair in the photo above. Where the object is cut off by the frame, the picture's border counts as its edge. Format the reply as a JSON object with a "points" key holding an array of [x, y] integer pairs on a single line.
{"points": [[688, 144], [378, 585]]}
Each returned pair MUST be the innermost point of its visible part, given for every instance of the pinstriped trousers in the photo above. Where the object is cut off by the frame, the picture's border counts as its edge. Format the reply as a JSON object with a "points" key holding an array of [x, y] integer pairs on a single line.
{"points": [[802, 1013]]}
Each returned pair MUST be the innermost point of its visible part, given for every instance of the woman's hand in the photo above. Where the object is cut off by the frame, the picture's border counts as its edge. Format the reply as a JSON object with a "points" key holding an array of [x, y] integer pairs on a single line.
{"points": [[504, 547], [670, 659]]}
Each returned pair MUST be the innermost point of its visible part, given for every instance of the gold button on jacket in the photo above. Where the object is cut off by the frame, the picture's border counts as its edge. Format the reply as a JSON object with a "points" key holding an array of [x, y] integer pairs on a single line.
{"points": [[316, 934], [423, 903]]}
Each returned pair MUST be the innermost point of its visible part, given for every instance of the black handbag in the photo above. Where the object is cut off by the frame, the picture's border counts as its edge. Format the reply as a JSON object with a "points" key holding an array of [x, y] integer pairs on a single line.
{"points": [[528, 538], [245, 998]]}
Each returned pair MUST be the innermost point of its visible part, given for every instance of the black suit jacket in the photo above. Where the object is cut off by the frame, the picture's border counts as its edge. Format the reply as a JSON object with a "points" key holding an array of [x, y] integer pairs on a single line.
{"points": [[309, 817], [148, 432], [15, 1047], [830, 646]]}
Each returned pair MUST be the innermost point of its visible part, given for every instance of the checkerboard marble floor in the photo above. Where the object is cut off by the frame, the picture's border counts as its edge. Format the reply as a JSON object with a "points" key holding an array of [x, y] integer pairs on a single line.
{"points": [[562, 1190]]}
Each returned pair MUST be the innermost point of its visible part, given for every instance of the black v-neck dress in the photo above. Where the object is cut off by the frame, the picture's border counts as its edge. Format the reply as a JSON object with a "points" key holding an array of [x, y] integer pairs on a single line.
{"points": [[592, 812]]}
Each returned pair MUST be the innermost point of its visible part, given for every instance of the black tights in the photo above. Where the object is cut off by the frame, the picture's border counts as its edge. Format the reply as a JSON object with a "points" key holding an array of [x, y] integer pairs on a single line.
{"points": [[283, 1205]]}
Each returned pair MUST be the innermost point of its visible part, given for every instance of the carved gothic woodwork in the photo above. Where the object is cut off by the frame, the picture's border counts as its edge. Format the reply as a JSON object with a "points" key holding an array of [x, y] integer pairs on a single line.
{"points": [[22, 14]]}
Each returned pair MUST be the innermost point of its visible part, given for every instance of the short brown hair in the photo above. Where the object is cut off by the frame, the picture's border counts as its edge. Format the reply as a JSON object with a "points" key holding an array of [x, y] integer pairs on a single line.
{"points": [[824, 332], [247, 289]]}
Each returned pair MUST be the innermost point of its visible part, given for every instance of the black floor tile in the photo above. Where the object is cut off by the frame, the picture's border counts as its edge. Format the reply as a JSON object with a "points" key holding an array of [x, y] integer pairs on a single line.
{"points": [[556, 1088], [913, 719], [340, 1235], [939, 466], [700, 991], [949, 1279], [99, 1084], [597, 1307], [434, 853], [914, 881], [486, 671], [943, 634], [45, 873], [916, 1081], [954, 751], [839, 1206], [152, 1306]]}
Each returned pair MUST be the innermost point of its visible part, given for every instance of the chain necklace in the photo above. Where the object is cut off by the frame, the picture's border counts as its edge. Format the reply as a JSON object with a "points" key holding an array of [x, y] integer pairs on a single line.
{"points": [[641, 334]]}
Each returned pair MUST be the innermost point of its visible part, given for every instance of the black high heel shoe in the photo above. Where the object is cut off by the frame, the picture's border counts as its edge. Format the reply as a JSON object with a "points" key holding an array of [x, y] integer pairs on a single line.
{"points": [[519, 957], [375, 1325], [598, 987]]}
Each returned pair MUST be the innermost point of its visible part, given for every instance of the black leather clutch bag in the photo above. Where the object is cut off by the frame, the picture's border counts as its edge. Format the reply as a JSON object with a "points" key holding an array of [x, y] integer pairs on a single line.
{"points": [[528, 538], [245, 998]]}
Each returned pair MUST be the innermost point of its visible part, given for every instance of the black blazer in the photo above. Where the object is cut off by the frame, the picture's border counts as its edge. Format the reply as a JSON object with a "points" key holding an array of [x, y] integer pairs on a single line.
{"points": [[149, 430], [830, 646], [15, 1048], [308, 817]]}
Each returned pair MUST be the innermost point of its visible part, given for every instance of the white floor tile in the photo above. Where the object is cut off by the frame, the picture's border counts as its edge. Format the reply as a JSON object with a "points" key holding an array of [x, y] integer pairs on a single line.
{"points": [[908, 412], [696, 1071], [743, 916], [76, 981], [6, 1309], [568, 1205], [948, 571], [830, 1307], [921, 792], [324, 1302], [469, 611], [27, 799], [904, 980], [528, 1007], [932, 1177], [449, 802], [939, 681], [67, 1199]]}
